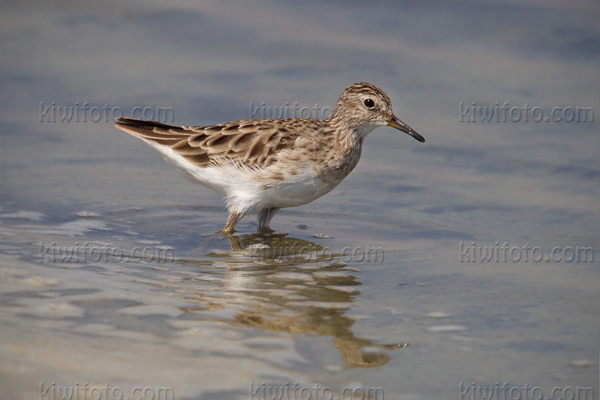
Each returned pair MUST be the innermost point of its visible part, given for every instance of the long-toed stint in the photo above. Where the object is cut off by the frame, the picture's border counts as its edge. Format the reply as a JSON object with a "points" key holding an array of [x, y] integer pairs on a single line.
{"points": [[263, 165]]}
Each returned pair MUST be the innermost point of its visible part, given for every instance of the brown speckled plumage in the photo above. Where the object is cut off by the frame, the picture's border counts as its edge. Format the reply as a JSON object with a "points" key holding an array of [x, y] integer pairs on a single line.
{"points": [[248, 158]]}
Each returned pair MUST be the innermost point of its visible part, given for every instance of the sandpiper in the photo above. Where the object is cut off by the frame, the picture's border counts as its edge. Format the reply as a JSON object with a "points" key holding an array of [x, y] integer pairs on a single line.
{"points": [[263, 165]]}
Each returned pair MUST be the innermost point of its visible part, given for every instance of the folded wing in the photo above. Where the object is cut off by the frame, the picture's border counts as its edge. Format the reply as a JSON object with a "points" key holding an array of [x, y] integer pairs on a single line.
{"points": [[251, 143]]}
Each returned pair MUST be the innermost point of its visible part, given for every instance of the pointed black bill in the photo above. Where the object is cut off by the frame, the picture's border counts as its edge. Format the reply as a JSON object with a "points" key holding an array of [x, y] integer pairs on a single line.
{"points": [[394, 122]]}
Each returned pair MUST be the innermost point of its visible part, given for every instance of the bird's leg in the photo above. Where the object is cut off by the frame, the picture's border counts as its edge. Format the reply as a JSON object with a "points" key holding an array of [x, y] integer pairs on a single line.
{"points": [[232, 220], [264, 219]]}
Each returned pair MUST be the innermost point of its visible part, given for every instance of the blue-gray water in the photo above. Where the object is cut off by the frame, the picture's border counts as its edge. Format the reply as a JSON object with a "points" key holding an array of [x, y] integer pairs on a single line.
{"points": [[111, 270]]}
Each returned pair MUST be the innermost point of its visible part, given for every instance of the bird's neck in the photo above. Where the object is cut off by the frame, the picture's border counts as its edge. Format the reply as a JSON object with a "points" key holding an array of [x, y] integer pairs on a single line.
{"points": [[352, 130]]}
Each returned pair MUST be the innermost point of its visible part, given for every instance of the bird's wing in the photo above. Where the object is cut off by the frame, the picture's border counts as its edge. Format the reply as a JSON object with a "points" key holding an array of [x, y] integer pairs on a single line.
{"points": [[251, 143]]}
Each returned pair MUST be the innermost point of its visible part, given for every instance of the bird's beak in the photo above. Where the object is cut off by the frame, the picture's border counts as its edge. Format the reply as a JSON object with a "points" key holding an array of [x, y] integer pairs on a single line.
{"points": [[394, 122]]}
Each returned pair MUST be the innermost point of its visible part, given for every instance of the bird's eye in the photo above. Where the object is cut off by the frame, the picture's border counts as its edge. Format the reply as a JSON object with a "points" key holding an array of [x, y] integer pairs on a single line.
{"points": [[369, 103]]}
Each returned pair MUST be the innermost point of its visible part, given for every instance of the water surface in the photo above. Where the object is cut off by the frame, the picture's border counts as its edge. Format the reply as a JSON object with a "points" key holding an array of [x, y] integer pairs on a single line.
{"points": [[111, 269]]}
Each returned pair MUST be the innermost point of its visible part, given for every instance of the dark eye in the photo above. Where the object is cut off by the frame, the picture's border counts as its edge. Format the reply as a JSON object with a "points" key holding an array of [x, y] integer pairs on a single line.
{"points": [[369, 103]]}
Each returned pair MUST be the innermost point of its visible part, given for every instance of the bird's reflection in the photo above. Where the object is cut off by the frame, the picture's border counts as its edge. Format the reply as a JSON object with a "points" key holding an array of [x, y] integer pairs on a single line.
{"points": [[294, 285]]}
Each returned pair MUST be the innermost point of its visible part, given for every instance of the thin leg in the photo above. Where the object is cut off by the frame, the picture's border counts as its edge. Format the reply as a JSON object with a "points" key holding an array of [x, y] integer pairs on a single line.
{"points": [[264, 218], [232, 220]]}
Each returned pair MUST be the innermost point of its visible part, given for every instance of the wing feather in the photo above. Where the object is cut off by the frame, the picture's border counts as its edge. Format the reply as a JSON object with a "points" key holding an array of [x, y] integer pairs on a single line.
{"points": [[254, 143]]}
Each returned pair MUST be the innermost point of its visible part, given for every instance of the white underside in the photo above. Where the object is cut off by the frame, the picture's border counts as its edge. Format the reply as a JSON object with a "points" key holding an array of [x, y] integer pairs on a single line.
{"points": [[243, 188]]}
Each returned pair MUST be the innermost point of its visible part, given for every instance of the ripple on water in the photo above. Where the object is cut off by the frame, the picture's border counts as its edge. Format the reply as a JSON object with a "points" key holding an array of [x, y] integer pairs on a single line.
{"points": [[446, 328]]}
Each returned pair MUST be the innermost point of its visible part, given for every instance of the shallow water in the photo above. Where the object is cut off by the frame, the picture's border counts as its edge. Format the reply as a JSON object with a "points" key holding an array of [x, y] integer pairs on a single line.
{"points": [[111, 270]]}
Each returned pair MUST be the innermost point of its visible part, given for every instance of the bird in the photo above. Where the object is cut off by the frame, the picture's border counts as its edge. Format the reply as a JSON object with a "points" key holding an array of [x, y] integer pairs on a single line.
{"points": [[263, 165]]}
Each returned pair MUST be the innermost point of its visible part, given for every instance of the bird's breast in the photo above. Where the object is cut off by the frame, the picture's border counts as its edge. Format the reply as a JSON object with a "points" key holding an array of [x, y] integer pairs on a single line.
{"points": [[340, 163]]}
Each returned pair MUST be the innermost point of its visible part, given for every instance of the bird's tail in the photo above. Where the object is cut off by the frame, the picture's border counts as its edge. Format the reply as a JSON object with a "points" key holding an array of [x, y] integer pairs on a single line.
{"points": [[152, 131]]}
